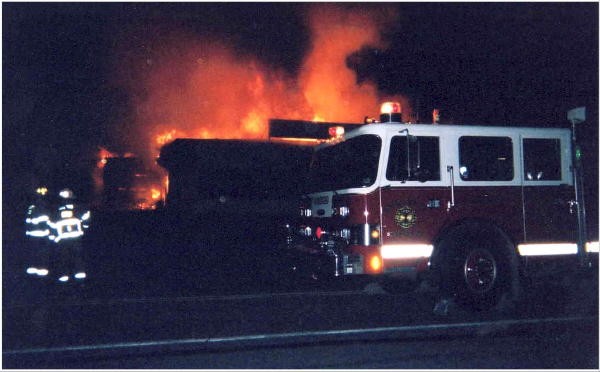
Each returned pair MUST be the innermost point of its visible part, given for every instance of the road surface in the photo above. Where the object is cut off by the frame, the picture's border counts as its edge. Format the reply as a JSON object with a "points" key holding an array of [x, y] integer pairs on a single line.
{"points": [[355, 326], [154, 302]]}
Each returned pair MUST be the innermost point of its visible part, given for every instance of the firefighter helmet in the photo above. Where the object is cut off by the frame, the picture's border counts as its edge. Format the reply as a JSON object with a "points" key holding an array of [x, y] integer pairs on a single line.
{"points": [[66, 194], [42, 190]]}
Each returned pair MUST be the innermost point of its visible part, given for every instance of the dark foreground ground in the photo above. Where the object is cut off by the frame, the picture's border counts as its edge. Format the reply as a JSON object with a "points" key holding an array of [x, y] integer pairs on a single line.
{"points": [[221, 296]]}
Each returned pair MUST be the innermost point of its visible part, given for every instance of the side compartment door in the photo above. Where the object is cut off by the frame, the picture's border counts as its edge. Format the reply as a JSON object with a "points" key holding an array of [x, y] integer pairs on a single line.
{"points": [[548, 193]]}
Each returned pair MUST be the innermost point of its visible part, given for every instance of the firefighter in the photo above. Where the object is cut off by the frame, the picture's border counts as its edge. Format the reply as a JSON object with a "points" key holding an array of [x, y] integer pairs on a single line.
{"points": [[67, 232], [38, 231]]}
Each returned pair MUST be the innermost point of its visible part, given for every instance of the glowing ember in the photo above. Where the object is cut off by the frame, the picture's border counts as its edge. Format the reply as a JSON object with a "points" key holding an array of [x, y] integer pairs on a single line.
{"points": [[144, 191], [156, 194]]}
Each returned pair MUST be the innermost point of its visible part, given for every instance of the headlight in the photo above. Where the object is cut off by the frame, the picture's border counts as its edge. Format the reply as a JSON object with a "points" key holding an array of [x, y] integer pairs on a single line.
{"points": [[305, 212], [346, 234], [305, 231]]}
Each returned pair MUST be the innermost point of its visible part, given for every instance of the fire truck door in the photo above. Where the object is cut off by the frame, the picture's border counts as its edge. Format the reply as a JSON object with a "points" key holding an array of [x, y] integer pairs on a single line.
{"points": [[549, 209], [413, 209], [412, 214]]}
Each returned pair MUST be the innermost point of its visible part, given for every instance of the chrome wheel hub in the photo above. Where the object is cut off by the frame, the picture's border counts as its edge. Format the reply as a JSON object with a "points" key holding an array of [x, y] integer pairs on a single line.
{"points": [[480, 271]]}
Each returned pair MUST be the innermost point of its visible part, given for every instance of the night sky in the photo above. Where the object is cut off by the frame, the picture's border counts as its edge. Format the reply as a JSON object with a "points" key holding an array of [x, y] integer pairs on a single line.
{"points": [[480, 63]]}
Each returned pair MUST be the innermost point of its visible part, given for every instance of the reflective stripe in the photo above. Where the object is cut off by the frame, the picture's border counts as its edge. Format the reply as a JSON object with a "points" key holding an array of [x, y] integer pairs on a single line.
{"points": [[591, 247], [37, 220], [66, 214], [68, 229], [42, 272], [406, 251], [86, 216], [547, 249], [38, 233], [67, 236]]}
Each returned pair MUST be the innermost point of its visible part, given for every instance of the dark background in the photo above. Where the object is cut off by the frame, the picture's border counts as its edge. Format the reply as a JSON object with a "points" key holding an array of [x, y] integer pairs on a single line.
{"points": [[480, 63]]}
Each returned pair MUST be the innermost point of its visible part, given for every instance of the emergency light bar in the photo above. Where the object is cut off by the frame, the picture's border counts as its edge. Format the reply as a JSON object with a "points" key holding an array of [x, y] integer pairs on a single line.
{"points": [[336, 132], [307, 130], [390, 108], [390, 112]]}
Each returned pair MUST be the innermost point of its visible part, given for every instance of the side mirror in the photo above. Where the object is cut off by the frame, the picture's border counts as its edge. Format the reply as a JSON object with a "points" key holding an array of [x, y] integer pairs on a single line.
{"points": [[576, 115], [422, 175]]}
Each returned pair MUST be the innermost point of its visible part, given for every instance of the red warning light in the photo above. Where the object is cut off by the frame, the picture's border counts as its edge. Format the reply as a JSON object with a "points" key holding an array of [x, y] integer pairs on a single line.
{"points": [[319, 232], [336, 132], [391, 108]]}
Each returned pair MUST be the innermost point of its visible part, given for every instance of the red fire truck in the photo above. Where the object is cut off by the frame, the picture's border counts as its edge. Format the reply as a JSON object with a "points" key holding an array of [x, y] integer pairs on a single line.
{"points": [[472, 207]]}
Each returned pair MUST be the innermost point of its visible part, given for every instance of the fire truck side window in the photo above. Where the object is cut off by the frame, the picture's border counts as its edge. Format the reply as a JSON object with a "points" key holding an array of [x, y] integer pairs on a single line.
{"points": [[541, 159], [422, 159], [486, 158]]}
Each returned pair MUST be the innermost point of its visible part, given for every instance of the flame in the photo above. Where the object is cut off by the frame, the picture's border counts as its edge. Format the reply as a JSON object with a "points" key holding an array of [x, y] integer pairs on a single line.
{"points": [[170, 135], [101, 159], [147, 195], [156, 194], [103, 155], [203, 88], [328, 85], [146, 190]]}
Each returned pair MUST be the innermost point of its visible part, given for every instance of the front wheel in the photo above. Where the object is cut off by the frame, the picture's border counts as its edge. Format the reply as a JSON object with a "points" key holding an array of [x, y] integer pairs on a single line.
{"points": [[478, 267], [480, 271]]}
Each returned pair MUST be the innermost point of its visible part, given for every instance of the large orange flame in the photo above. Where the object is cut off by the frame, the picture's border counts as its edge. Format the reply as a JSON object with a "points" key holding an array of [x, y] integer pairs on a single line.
{"points": [[185, 86], [202, 88], [328, 85]]}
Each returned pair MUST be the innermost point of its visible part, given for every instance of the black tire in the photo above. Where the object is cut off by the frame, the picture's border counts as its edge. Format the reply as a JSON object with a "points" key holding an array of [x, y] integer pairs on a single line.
{"points": [[478, 267]]}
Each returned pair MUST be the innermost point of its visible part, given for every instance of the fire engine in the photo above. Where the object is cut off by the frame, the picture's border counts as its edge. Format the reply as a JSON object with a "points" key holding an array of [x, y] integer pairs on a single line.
{"points": [[471, 207]]}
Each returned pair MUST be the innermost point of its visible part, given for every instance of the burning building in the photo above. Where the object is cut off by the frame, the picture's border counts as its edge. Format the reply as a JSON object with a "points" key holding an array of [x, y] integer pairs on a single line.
{"points": [[244, 177], [129, 185], [199, 87]]}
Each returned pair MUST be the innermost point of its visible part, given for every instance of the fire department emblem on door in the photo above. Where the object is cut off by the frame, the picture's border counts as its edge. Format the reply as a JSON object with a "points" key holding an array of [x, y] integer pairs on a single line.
{"points": [[405, 217]]}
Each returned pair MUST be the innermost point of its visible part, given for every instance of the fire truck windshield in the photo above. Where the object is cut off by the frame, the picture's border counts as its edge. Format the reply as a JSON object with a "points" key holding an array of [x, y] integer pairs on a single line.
{"points": [[349, 164]]}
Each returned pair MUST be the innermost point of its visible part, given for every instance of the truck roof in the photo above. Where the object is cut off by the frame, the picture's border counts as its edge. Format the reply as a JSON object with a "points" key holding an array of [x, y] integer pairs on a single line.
{"points": [[450, 129]]}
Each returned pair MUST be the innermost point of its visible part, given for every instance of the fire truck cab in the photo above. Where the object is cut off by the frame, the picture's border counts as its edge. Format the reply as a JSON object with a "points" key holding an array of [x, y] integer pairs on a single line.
{"points": [[472, 206]]}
